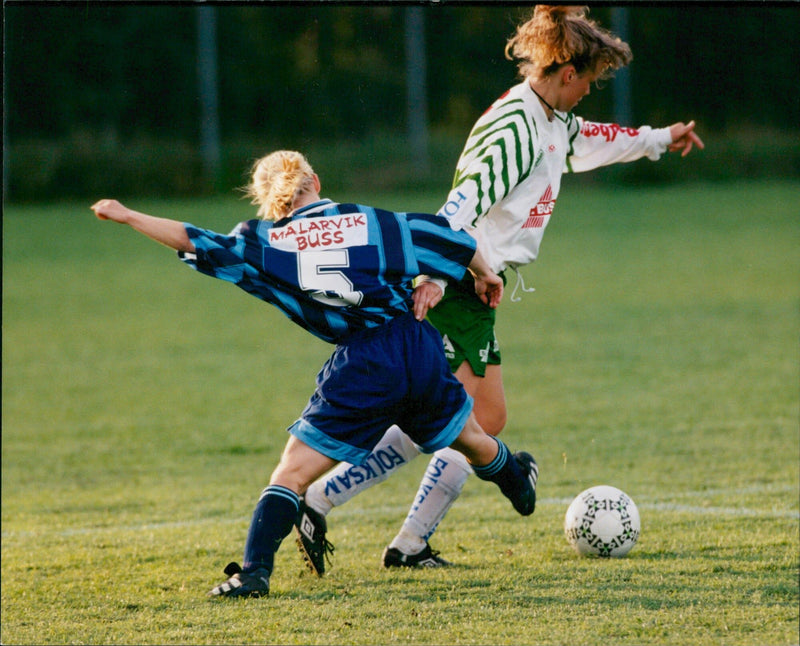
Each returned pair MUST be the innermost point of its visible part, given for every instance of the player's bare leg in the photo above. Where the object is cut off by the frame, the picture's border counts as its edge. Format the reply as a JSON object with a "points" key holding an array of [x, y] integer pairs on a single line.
{"points": [[488, 395]]}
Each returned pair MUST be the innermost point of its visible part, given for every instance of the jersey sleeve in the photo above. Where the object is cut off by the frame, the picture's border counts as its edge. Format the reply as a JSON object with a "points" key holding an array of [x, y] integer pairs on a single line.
{"points": [[498, 155], [599, 144], [218, 255], [440, 251]]}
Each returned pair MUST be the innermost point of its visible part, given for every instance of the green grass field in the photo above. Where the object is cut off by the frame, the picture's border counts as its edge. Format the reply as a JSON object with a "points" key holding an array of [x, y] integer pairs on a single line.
{"points": [[144, 407]]}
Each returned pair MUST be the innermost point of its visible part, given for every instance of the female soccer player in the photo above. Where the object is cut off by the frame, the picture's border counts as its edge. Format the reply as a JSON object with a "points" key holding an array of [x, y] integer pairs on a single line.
{"points": [[505, 188], [344, 272]]}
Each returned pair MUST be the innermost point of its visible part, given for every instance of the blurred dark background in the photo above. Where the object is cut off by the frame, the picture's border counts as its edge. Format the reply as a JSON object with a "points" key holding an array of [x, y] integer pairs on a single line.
{"points": [[178, 99]]}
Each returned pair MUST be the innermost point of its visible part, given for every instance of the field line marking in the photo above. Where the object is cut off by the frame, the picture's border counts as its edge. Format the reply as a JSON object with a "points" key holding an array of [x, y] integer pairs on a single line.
{"points": [[642, 503], [723, 511], [711, 510]]}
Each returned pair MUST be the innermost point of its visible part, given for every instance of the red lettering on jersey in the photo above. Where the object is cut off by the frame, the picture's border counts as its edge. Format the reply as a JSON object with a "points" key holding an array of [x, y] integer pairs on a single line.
{"points": [[319, 240], [319, 233], [607, 130], [539, 214]]}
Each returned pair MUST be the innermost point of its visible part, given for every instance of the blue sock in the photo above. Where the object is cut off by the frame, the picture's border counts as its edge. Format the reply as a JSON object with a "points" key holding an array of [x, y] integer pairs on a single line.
{"points": [[272, 521], [504, 471]]}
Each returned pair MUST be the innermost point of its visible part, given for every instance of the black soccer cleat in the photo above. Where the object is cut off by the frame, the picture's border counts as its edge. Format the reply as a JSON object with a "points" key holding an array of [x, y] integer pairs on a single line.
{"points": [[242, 584], [392, 557], [525, 501], [311, 528]]}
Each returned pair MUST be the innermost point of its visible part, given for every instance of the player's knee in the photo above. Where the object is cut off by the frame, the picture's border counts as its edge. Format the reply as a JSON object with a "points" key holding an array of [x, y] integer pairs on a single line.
{"points": [[289, 477], [293, 475]]}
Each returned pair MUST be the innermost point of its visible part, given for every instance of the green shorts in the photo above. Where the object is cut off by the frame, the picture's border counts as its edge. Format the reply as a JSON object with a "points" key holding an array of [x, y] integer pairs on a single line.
{"points": [[467, 328]]}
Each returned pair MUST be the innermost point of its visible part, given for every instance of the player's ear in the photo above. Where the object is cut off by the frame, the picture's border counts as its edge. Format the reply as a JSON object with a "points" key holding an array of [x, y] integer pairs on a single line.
{"points": [[568, 74], [317, 183]]}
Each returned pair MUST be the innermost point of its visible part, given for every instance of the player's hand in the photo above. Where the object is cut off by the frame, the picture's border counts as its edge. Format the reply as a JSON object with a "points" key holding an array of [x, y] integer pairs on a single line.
{"points": [[489, 288], [111, 210], [426, 295], [684, 138]]}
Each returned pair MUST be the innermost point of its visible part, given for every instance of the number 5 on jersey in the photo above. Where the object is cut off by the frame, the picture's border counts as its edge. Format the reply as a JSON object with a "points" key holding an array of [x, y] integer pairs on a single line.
{"points": [[320, 272]]}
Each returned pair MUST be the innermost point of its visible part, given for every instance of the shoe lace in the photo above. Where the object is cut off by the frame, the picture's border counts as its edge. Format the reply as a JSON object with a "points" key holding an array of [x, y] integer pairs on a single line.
{"points": [[327, 549]]}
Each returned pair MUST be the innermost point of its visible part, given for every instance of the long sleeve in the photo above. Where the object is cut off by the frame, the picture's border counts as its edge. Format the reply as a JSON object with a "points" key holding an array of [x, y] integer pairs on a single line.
{"points": [[600, 144]]}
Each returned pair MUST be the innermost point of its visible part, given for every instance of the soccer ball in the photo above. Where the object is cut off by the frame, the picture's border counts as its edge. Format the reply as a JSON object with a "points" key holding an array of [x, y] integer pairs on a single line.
{"points": [[602, 521]]}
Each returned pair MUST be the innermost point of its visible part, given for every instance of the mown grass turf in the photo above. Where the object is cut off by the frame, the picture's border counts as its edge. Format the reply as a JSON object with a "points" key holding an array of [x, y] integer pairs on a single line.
{"points": [[144, 408]]}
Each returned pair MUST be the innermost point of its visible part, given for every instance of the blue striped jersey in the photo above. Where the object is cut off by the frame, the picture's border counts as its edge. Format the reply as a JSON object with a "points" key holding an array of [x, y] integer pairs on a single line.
{"points": [[334, 269]]}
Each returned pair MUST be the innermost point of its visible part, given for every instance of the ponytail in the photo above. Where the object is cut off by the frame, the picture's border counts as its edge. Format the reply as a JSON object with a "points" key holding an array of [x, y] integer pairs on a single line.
{"points": [[560, 35]]}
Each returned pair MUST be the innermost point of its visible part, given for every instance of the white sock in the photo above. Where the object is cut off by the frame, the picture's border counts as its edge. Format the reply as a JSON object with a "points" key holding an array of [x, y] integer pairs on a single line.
{"points": [[442, 483], [339, 485]]}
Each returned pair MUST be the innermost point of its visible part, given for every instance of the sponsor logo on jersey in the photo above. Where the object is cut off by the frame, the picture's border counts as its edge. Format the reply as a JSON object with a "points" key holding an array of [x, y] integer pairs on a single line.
{"points": [[452, 206], [328, 232], [539, 158], [607, 130], [539, 214]]}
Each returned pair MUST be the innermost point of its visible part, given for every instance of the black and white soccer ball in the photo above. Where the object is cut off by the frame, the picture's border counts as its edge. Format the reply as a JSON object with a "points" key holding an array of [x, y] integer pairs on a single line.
{"points": [[602, 521]]}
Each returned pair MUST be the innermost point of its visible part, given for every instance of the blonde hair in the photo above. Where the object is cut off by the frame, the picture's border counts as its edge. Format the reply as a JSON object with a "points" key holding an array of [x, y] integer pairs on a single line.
{"points": [[560, 35], [276, 180]]}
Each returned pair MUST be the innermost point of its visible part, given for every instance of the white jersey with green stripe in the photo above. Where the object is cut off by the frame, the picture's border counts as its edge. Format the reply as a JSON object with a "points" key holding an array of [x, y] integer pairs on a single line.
{"points": [[509, 174]]}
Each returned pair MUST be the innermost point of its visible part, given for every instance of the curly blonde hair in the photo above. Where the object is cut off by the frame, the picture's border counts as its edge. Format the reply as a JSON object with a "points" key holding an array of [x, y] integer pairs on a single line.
{"points": [[276, 180], [560, 35]]}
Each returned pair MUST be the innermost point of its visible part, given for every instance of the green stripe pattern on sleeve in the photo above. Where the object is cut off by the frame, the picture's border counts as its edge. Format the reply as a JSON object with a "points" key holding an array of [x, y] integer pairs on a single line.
{"points": [[498, 154]]}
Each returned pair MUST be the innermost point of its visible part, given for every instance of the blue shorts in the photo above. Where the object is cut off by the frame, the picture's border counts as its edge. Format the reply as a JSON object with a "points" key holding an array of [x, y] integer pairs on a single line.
{"points": [[393, 374]]}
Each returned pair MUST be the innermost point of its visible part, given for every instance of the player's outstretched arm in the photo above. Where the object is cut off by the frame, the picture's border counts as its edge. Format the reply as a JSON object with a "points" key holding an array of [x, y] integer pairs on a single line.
{"points": [[684, 138], [168, 232]]}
